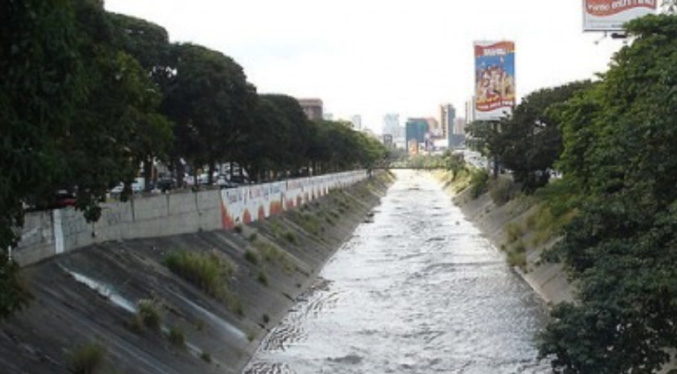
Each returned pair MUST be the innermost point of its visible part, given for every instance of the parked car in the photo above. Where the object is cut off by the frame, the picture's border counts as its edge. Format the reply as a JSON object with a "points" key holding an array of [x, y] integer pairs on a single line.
{"points": [[165, 184]]}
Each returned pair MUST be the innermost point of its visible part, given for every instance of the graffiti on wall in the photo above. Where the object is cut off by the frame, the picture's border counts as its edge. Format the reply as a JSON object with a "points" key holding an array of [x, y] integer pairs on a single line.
{"points": [[247, 204]]}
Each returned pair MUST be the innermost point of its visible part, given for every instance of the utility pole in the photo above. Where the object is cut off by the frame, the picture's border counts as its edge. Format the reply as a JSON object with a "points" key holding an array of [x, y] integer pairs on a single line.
{"points": [[494, 125]]}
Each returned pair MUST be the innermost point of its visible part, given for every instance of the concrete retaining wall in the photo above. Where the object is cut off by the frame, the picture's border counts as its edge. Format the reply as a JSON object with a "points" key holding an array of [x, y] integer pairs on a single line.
{"points": [[49, 233]]}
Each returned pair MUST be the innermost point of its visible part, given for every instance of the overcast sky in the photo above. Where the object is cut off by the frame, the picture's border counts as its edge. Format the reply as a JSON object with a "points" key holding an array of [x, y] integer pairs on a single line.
{"points": [[372, 57]]}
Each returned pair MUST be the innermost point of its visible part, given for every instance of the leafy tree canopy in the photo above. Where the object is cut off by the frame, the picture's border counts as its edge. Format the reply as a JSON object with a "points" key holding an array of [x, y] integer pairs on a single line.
{"points": [[620, 140]]}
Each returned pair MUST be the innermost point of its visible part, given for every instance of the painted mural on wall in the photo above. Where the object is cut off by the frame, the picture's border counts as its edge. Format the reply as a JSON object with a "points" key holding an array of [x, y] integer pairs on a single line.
{"points": [[247, 204], [49, 233]]}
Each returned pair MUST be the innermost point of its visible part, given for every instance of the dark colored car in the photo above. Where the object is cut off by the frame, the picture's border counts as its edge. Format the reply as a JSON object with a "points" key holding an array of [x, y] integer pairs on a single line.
{"points": [[165, 184]]}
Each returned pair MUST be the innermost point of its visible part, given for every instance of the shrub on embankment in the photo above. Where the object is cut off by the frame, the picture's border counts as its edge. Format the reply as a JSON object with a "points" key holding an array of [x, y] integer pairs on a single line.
{"points": [[208, 271]]}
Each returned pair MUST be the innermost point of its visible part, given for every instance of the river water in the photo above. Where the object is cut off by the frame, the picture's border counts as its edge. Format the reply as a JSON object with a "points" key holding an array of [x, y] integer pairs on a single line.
{"points": [[418, 290]]}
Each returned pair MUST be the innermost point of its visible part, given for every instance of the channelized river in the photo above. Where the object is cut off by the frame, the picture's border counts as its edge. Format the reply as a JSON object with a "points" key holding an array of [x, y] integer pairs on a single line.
{"points": [[418, 290]]}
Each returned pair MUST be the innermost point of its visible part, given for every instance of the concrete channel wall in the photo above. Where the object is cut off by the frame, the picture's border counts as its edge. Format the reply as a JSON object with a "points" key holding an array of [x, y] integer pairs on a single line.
{"points": [[49, 233]]}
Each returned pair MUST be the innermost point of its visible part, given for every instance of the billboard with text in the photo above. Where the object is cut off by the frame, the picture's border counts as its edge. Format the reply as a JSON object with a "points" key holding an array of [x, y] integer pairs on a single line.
{"points": [[494, 79], [610, 15]]}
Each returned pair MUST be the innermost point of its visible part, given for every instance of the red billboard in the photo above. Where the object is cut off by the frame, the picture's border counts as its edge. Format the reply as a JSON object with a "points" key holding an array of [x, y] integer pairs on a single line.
{"points": [[610, 15]]}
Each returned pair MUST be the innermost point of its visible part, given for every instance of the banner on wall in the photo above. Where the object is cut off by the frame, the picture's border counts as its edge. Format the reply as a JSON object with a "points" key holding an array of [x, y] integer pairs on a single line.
{"points": [[494, 79], [610, 15]]}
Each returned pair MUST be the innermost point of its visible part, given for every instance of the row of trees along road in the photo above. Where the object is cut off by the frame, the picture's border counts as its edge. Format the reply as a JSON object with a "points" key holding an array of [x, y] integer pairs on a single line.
{"points": [[615, 140], [87, 95]]}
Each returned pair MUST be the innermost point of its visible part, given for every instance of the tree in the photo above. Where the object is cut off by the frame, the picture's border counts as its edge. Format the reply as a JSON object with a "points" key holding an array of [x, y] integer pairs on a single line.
{"points": [[149, 44], [529, 141], [620, 142], [42, 86], [210, 102]]}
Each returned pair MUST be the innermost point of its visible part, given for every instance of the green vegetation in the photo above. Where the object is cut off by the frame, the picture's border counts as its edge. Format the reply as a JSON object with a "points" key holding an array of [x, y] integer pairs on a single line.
{"points": [[262, 278], [251, 256], [479, 180], [86, 359], [290, 237], [177, 337], [517, 255], [513, 232], [206, 357], [208, 271], [501, 190], [149, 315], [620, 154], [529, 142]]}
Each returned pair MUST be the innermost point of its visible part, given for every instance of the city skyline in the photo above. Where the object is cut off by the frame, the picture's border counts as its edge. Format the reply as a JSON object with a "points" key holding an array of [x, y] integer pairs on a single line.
{"points": [[371, 58]]}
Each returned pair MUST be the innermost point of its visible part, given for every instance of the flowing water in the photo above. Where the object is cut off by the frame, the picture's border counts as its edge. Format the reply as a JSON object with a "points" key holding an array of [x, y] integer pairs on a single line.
{"points": [[418, 290]]}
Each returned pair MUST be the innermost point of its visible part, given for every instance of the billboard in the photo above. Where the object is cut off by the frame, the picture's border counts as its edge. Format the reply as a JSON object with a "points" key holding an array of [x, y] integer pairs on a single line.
{"points": [[610, 15], [494, 79]]}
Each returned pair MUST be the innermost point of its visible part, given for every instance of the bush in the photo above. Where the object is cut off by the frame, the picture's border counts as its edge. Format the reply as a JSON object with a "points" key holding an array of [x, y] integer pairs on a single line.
{"points": [[513, 231], [149, 314], [501, 190], [177, 337], [290, 237], [206, 357], [517, 259], [251, 256], [262, 278], [207, 271], [478, 182], [86, 359]]}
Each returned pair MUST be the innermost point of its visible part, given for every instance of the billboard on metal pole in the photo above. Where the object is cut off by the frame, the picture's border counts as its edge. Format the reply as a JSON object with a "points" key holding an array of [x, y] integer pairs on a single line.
{"points": [[610, 15], [494, 79]]}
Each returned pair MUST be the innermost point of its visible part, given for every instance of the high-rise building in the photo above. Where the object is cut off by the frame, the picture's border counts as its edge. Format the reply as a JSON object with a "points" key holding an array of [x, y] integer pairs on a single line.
{"points": [[312, 108], [391, 125], [447, 115], [470, 110], [357, 122], [416, 130], [458, 133]]}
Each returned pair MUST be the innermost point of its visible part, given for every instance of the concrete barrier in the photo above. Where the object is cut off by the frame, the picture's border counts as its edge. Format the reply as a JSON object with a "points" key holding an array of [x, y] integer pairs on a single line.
{"points": [[49, 233]]}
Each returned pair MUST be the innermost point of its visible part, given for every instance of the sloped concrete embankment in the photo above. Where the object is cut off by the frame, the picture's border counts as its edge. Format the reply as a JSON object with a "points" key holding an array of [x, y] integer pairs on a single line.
{"points": [[90, 297], [547, 279]]}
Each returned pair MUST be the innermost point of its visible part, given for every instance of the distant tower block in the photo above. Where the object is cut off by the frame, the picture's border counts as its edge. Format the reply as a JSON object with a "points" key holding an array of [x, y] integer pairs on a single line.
{"points": [[312, 108]]}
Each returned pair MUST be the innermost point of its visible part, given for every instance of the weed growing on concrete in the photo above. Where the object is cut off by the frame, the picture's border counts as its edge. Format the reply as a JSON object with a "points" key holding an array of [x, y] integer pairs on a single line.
{"points": [[252, 237], [290, 237], [517, 256], [266, 318], [177, 337], [199, 324], [234, 303], [501, 190], [251, 256], [262, 278], [86, 359], [149, 315], [208, 271], [513, 231], [478, 182], [206, 357]]}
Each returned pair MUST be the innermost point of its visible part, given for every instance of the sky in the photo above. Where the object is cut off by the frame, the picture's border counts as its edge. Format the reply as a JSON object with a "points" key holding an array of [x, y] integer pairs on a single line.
{"points": [[372, 57]]}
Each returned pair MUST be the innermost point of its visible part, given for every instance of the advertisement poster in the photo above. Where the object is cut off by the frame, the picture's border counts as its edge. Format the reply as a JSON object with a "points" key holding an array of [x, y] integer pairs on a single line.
{"points": [[610, 15], [494, 79]]}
